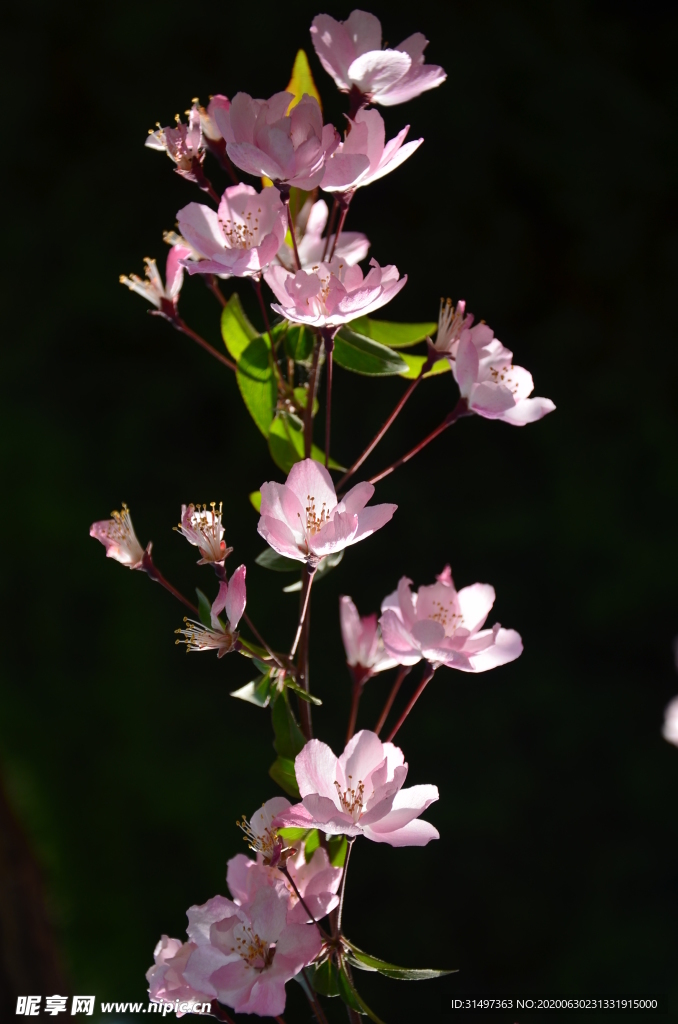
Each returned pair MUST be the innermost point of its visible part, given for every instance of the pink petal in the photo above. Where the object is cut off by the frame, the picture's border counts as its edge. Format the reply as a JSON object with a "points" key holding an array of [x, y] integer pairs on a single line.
{"points": [[363, 753], [415, 833], [351, 629], [279, 536], [335, 535], [466, 365], [316, 770], [398, 641], [378, 70], [268, 913], [200, 226], [528, 411], [507, 647], [356, 499], [236, 597], [407, 804], [475, 603], [373, 518], [309, 477]]}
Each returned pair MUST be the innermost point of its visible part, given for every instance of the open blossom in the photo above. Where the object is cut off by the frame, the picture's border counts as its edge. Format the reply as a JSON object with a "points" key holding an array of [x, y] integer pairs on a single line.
{"points": [[317, 881], [367, 135], [360, 793], [246, 954], [231, 599], [492, 386], [445, 626], [350, 51], [241, 238], [163, 296], [362, 640], [331, 294], [166, 982], [118, 537], [203, 528], [302, 519], [263, 139], [183, 145], [351, 247]]}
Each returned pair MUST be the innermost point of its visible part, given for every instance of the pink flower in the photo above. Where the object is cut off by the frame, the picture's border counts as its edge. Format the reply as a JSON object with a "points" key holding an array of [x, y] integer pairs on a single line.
{"points": [[246, 954], [332, 293], [208, 123], [360, 793], [362, 640], [352, 246], [492, 386], [183, 145], [670, 728], [118, 537], [317, 882], [166, 982], [446, 627], [263, 139], [452, 321], [303, 520], [202, 527], [163, 296], [367, 135], [231, 599], [241, 238], [350, 51]]}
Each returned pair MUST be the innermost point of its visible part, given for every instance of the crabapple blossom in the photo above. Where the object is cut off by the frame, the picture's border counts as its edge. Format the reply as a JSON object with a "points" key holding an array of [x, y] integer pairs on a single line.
{"points": [[241, 238], [360, 793], [118, 537], [452, 321], [166, 982], [260, 833], [333, 293], [302, 518], [203, 529], [670, 728], [317, 882], [351, 246], [445, 626], [183, 145], [208, 124], [350, 51], [164, 297], [231, 599], [245, 954], [367, 135], [363, 644], [492, 386], [262, 138]]}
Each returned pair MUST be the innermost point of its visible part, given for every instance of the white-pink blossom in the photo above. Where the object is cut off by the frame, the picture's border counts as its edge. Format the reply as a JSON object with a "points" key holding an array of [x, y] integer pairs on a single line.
{"points": [[452, 321], [202, 527], [350, 51], [118, 537], [302, 518], [445, 626], [246, 954], [231, 599], [367, 136], [360, 793], [351, 246], [333, 293], [492, 386], [363, 643], [163, 296], [263, 139], [166, 982], [183, 145], [317, 882], [241, 238], [208, 123]]}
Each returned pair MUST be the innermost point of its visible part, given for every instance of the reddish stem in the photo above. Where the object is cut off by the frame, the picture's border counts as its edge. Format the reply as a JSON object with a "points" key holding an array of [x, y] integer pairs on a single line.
{"points": [[399, 680], [310, 399], [344, 201], [460, 409], [330, 227], [211, 282], [150, 568], [360, 677], [426, 679]]}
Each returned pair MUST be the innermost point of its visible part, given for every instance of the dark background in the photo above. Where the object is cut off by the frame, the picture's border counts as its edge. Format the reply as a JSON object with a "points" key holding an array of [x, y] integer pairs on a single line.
{"points": [[544, 195]]}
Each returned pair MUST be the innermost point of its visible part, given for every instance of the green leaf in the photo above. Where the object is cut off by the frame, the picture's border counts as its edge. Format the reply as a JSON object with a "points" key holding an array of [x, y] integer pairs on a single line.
{"points": [[351, 997], [300, 692], [270, 559], [298, 344], [328, 563], [252, 650], [337, 847], [289, 739], [236, 330], [204, 609], [415, 363], [282, 772], [257, 692], [326, 979], [362, 355], [286, 443], [366, 962], [255, 500], [294, 835], [391, 334], [312, 843], [257, 383], [300, 396]]}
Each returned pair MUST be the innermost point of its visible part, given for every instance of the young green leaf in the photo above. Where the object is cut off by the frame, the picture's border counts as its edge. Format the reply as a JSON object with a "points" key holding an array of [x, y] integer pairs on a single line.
{"points": [[282, 772], [362, 355], [415, 363], [257, 692], [351, 997], [270, 559], [236, 330], [326, 979], [312, 844], [366, 962], [257, 383], [298, 344], [337, 847], [294, 835], [289, 739], [204, 609], [255, 500], [300, 692], [391, 334]]}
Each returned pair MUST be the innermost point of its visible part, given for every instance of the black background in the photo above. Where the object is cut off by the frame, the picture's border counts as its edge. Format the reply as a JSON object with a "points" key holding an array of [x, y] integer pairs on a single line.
{"points": [[544, 195]]}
